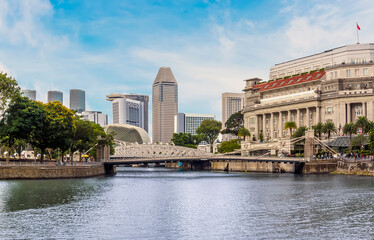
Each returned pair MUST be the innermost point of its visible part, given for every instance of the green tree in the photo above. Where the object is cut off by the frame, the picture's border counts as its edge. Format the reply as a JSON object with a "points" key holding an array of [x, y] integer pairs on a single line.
{"points": [[328, 128], [300, 132], [186, 139], [243, 132], [233, 124], [228, 146], [363, 123], [290, 125], [349, 129], [9, 90], [371, 140], [359, 141], [209, 129], [318, 129], [20, 121]]}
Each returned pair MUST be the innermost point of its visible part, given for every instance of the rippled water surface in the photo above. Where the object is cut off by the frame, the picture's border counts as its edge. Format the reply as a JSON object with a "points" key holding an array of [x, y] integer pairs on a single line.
{"points": [[166, 204]]}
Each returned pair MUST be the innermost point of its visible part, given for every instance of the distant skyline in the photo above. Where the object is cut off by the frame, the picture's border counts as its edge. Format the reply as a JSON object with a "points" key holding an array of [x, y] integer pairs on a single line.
{"points": [[118, 46]]}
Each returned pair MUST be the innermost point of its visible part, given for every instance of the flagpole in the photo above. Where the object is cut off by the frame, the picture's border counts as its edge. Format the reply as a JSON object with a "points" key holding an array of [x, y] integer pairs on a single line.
{"points": [[358, 41]]}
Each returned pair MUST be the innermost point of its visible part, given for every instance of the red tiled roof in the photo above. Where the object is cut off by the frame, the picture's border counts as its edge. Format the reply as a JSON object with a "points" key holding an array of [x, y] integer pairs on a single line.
{"points": [[290, 81]]}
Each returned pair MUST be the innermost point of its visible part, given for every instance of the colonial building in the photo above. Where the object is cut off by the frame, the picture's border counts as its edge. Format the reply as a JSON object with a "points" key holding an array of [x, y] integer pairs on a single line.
{"points": [[339, 92]]}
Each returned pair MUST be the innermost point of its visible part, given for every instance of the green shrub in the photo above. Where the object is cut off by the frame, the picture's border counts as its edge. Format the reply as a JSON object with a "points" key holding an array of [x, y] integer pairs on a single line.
{"points": [[228, 146]]}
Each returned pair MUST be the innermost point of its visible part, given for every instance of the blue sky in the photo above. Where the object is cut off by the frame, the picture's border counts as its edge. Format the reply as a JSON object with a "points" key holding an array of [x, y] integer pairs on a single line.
{"points": [[211, 46]]}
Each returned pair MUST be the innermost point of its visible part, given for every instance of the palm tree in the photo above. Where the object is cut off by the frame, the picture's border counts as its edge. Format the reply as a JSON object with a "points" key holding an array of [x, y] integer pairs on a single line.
{"points": [[243, 132], [318, 128], [363, 123], [350, 128], [329, 127], [290, 125]]}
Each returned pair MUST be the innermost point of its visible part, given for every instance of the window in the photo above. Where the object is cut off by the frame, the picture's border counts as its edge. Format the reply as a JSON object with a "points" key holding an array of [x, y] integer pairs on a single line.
{"points": [[290, 81], [282, 83], [266, 86], [300, 89], [252, 120], [308, 77], [299, 79], [336, 74], [319, 75], [365, 72], [331, 74], [274, 84], [358, 85], [348, 72], [357, 72]]}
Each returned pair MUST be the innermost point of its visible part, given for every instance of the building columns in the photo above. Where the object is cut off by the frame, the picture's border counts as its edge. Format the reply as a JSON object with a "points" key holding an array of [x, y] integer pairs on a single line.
{"points": [[364, 109], [272, 125], [318, 114], [307, 117], [349, 113], [297, 118], [280, 127], [264, 125]]}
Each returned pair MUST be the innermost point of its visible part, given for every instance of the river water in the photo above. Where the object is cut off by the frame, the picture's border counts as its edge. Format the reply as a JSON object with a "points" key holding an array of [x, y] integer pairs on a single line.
{"points": [[141, 203]]}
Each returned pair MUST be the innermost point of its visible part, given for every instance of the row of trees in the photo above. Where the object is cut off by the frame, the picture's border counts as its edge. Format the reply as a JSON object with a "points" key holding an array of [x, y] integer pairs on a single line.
{"points": [[49, 126]]}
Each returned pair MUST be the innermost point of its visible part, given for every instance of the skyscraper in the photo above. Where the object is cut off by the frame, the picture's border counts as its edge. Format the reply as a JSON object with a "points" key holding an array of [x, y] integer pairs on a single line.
{"points": [[231, 103], [138, 97], [189, 122], [55, 96], [77, 100], [31, 94], [164, 104], [96, 117], [128, 111]]}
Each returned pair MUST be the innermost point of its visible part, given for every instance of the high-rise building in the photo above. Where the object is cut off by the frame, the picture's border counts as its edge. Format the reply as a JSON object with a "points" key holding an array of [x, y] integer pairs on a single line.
{"points": [[96, 117], [189, 122], [77, 100], [231, 103], [128, 111], [138, 97], [164, 104], [55, 96], [30, 94]]}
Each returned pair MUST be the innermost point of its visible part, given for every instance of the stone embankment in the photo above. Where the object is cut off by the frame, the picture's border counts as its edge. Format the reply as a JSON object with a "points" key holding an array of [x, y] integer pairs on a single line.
{"points": [[50, 171], [355, 167]]}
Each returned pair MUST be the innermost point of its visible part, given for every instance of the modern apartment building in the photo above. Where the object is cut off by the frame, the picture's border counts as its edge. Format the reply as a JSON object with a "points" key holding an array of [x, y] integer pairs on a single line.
{"points": [[55, 96], [231, 103], [30, 94], [96, 117], [165, 105], [189, 122], [138, 97], [77, 100], [339, 92], [128, 111]]}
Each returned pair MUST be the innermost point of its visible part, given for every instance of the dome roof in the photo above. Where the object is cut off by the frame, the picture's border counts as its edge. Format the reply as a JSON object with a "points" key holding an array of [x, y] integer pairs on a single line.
{"points": [[128, 133]]}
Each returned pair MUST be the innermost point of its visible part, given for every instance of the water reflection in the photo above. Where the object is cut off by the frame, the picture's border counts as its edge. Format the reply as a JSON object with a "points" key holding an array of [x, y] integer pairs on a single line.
{"points": [[35, 194]]}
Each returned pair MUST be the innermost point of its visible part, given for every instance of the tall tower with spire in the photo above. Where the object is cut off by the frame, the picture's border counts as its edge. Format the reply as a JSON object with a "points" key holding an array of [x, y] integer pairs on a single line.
{"points": [[164, 105]]}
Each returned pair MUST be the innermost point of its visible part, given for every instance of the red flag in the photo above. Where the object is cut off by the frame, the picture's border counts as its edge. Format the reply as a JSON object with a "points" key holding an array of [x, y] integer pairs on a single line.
{"points": [[358, 27]]}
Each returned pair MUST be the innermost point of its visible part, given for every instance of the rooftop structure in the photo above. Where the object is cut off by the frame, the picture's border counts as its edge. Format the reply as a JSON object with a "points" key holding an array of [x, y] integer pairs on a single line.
{"points": [[354, 53]]}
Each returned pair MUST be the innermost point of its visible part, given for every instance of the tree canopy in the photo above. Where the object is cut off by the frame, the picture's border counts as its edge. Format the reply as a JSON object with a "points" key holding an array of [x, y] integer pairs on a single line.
{"points": [[210, 130], [233, 124], [186, 139], [228, 146], [9, 90], [300, 132], [290, 125]]}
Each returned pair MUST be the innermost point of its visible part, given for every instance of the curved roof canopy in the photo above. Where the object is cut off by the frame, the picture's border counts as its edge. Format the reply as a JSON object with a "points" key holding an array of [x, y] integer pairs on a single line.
{"points": [[128, 133]]}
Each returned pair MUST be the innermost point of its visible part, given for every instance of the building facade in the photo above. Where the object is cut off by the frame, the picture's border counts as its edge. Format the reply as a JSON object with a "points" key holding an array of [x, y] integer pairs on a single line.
{"points": [[339, 93], [189, 122], [138, 97], [96, 117], [30, 94], [164, 104], [55, 96], [78, 100], [231, 103], [128, 111]]}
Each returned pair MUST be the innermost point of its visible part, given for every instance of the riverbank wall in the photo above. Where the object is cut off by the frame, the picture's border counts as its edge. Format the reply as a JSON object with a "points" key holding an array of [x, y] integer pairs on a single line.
{"points": [[50, 172], [313, 167], [355, 167]]}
